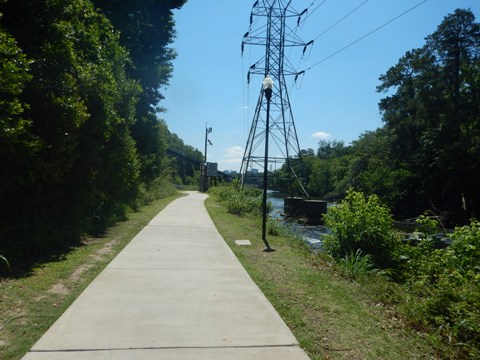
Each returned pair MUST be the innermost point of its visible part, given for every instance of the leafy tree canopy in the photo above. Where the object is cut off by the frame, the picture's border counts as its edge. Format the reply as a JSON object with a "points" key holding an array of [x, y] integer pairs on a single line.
{"points": [[146, 31], [79, 105], [433, 114]]}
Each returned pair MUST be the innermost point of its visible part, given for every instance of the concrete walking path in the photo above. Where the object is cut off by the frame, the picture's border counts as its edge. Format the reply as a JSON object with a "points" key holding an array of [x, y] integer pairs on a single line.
{"points": [[175, 292]]}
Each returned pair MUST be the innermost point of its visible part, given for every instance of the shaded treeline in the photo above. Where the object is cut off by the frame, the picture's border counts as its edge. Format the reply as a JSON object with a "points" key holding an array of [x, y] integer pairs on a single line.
{"points": [[427, 154], [186, 168], [80, 144]]}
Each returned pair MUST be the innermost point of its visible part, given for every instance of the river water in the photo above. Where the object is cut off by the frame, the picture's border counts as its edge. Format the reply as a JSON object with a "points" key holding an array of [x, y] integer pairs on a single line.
{"points": [[312, 235]]}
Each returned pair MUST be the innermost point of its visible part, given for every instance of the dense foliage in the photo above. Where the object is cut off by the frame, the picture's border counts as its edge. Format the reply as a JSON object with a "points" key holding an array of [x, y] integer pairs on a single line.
{"points": [[426, 156], [441, 283], [146, 31], [238, 201], [186, 160], [13, 77], [74, 97], [446, 285], [433, 117], [361, 223]]}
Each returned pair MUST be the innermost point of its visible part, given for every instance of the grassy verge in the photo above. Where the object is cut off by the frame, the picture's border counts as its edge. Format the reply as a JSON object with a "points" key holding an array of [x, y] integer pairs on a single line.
{"points": [[331, 317], [29, 305]]}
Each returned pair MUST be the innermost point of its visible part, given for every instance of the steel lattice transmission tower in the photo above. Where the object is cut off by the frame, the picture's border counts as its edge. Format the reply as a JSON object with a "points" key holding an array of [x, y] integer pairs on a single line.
{"points": [[269, 29]]}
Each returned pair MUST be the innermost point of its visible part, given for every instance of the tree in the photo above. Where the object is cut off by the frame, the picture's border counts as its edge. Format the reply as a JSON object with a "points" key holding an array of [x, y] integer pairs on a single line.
{"points": [[326, 175], [331, 149], [80, 105], [374, 169], [17, 143], [433, 115], [185, 159], [321, 178], [146, 30], [13, 78]]}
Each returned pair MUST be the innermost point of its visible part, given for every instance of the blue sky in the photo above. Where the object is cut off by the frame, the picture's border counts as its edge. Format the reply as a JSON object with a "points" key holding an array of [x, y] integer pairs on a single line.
{"points": [[335, 100]]}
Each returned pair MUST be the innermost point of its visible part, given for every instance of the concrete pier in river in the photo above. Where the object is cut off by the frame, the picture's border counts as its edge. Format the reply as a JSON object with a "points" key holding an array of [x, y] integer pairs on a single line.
{"points": [[310, 210]]}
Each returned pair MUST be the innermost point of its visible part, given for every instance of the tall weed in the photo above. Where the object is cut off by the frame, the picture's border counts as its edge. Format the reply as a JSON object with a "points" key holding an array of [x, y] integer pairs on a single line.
{"points": [[356, 266]]}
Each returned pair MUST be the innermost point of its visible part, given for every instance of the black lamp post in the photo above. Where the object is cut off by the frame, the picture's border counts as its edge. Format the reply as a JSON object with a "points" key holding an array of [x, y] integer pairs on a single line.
{"points": [[267, 90]]}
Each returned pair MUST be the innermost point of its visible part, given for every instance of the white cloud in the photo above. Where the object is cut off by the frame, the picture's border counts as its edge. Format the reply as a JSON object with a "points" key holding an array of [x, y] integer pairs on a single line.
{"points": [[234, 152], [320, 135], [242, 108], [232, 158]]}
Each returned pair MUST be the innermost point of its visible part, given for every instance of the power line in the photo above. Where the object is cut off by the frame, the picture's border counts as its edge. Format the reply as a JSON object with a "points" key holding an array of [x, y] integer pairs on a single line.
{"points": [[311, 13], [343, 18], [366, 35], [331, 27]]}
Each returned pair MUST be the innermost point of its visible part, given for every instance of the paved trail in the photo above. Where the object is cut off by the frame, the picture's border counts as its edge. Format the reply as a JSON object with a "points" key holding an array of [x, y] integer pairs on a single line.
{"points": [[175, 292]]}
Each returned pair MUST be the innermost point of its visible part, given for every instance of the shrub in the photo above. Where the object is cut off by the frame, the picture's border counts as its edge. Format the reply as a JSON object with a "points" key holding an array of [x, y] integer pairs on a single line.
{"points": [[447, 284], [361, 223], [238, 201], [159, 188]]}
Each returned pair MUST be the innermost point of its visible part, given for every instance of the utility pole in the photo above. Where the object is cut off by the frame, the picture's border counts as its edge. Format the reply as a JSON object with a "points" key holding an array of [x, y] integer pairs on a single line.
{"points": [[208, 130], [204, 174]]}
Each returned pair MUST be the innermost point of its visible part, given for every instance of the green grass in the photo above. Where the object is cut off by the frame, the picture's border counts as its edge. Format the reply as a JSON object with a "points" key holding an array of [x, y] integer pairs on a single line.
{"points": [[29, 305], [331, 317]]}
